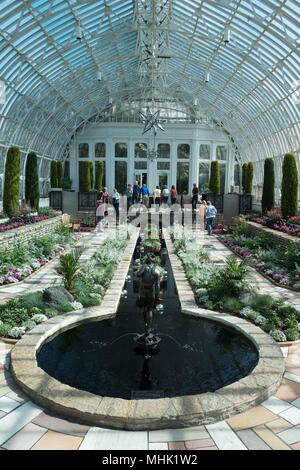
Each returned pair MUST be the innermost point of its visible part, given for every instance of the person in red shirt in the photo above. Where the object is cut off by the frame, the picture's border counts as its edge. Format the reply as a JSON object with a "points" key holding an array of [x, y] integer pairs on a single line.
{"points": [[173, 195]]}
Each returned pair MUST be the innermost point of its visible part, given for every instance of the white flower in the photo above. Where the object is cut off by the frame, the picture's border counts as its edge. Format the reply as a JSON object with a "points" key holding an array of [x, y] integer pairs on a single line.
{"points": [[76, 305]]}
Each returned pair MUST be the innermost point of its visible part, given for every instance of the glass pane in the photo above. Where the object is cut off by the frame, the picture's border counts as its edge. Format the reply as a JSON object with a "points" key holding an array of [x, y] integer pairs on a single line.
{"points": [[140, 151], [183, 151], [163, 150], [100, 150], [121, 176], [121, 150], [183, 169], [163, 180], [83, 150], [204, 152], [222, 177], [204, 177], [163, 165], [67, 170], [236, 175], [140, 165], [221, 152]]}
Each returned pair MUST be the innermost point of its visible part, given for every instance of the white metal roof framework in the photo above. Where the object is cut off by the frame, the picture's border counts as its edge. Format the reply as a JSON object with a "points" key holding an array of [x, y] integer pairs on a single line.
{"points": [[51, 77]]}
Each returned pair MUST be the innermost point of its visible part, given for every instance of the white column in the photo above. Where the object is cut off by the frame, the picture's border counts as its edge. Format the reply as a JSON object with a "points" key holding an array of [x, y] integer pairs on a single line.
{"points": [[173, 163], [229, 178], [110, 165], [130, 162], [194, 165]]}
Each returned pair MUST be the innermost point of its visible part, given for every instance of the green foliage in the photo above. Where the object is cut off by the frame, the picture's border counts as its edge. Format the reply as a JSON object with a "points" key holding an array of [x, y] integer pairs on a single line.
{"points": [[59, 170], [11, 181], [32, 192], [292, 334], [249, 178], [91, 167], [53, 174], [289, 256], [231, 304], [4, 329], [84, 177], [99, 177], [29, 324], [230, 281], [289, 186], [68, 267], [215, 180], [244, 176], [268, 196], [67, 183]]}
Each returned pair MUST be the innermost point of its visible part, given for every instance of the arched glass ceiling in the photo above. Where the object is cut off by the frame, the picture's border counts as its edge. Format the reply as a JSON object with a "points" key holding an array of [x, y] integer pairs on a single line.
{"points": [[51, 77]]}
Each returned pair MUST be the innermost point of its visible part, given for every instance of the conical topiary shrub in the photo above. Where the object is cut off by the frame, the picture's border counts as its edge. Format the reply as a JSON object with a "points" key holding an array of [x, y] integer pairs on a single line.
{"points": [[11, 181], [99, 175], [289, 186], [268, 195], [84, 177], [215, 180], [91, 174], [59, 171], [32, 192], [244, 176], [249, 178], [53, 174]]}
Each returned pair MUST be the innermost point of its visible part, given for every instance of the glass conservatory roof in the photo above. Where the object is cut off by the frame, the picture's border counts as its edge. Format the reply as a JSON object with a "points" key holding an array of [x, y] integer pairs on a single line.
{"points": [[158, 50]]}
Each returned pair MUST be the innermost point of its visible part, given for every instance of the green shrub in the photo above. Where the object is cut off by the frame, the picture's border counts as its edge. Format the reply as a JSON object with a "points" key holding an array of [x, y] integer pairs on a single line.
{"points": [[249, 178], [99, 177], [244, 176], [289, 186], [16, 332], [59, 170], [84, 177], [231, 304], [215, 180], [292, 334], [230, 281], [278, 336], [29, 324], [65, 307], [11, 181], [68, 267], [268, 196], [4, 329], [32, 191], [53, 174], [91, 174], [67, 183]]}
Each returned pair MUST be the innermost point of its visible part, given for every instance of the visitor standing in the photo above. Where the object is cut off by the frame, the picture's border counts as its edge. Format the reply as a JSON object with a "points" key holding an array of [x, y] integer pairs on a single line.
{"points": [[145, 194], [100, 211], [173, 195], [136, 193], [202, 212], [116, 202], [157, 195], [165, 194], [129, 195], [195, 196], [211, 213], [105, 199]]}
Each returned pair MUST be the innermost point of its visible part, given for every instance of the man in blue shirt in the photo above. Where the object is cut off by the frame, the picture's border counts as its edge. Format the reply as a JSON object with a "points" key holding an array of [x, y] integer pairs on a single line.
{"points": [[145, 194], [211, 213]]}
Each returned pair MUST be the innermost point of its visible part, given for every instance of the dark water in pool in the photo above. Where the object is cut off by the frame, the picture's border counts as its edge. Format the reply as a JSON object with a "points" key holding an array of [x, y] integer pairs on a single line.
{"points": [[194, 356]]}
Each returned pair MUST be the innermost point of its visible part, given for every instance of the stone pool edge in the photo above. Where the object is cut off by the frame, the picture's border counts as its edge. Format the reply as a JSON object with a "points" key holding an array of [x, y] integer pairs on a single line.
{"points": [[150, 414]]}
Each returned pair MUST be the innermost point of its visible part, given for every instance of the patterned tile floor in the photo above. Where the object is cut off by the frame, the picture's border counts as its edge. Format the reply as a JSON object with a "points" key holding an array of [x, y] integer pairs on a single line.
{"points": [[274, 424]]}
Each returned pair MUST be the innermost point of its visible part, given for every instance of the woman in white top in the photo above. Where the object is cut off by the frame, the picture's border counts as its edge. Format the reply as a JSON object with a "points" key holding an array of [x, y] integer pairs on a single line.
{"points": [[165, 194], [157, 195]]}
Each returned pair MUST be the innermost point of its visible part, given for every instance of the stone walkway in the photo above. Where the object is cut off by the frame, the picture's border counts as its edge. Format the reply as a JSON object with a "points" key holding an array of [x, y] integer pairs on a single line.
{"points": [[275, 424]]}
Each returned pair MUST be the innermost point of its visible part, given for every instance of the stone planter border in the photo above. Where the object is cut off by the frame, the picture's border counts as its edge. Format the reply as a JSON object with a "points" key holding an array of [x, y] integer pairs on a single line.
{"points": [[152, 413]]}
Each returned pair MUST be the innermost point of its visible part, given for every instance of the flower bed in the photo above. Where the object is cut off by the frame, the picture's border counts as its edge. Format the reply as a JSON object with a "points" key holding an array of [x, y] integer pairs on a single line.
{"points": [[228, 289], [280, 264], [22, 261], [275, 221], [91, 280]]}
